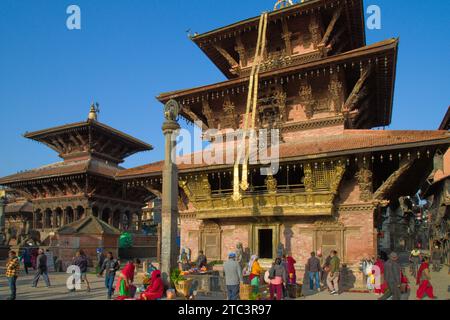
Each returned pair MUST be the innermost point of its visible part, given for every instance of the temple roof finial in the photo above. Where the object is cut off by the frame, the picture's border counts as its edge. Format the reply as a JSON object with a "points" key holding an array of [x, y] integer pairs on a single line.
{"points": [[94, 111], [283, 4]]}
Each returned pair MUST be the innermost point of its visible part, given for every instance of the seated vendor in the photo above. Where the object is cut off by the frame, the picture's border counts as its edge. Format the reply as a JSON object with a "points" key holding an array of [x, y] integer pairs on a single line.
{"points": [[201, 260], [155, 290]]}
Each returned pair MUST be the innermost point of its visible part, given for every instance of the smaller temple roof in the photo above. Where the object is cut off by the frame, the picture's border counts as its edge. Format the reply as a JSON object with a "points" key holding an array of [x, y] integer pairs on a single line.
{"points": [[349, 142], [41, 135], [88, 225], [64, 168], [19, 206]]}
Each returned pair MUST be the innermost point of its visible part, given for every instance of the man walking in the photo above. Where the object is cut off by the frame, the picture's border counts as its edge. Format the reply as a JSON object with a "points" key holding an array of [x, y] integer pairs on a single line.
{"points": [[42, 270], [233, 276], [333, 275], [436, 258], [12, 272], [392, 276], [110, 265], [313, 267]]}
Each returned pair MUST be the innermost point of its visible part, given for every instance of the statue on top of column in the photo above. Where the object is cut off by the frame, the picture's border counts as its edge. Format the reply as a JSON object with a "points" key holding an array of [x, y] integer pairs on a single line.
{"points": [[171, 110]]}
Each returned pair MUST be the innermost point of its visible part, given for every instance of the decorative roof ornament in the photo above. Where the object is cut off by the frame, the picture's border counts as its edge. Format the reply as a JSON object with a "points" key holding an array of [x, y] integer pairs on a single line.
{"points": [[283, 4], [95, 110]]}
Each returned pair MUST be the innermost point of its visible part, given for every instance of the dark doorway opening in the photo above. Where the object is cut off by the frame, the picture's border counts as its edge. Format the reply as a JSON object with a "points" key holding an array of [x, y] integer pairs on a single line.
{"points": [[265, 237]]}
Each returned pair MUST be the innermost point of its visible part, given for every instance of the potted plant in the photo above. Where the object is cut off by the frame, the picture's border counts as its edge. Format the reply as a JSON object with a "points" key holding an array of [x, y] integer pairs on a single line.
{"points": [[182, 285]]}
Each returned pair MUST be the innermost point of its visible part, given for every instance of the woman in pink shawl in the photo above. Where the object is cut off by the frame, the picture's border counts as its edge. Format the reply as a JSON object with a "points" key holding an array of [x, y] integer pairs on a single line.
{"points": [[125, 286], [155, 290]]}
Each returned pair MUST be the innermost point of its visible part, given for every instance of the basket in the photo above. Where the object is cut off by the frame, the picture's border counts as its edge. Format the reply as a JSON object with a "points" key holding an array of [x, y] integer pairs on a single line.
{"points": [[245, 291], [184, 287], [294, 291]]}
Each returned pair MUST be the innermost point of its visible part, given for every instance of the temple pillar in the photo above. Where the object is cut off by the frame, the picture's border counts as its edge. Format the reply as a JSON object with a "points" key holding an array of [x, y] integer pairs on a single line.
{"points": [[139, 227], [54, 219], [34, 223], [169, 223], [130, 222], [64, 217], [88, 211]]}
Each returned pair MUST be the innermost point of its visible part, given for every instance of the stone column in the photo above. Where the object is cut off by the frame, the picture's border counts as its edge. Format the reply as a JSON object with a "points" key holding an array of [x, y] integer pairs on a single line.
{"points": [[169, 223]]}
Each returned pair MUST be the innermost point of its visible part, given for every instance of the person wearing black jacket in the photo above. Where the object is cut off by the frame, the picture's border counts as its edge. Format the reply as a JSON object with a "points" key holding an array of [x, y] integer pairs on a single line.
{"points": [[42, 270], [110, 265], [81, 262]]}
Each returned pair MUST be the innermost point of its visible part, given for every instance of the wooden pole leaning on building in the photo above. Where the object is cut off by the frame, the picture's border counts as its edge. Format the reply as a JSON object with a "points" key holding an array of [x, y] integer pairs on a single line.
{"points": [[169, 212], [252, 99]]}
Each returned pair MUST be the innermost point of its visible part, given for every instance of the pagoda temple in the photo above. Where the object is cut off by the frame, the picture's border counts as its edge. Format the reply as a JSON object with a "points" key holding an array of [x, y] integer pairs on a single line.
{"points": [[83, 184], [326, 91]]}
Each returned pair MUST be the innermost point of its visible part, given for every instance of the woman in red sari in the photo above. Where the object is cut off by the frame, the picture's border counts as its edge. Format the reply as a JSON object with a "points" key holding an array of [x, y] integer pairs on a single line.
{"points": [[125, 281], [155, 290], [423, 280]]}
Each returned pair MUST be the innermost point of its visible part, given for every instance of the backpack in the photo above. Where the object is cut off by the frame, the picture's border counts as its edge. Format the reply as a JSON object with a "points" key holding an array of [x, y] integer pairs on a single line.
{"points": [[272, 273]]}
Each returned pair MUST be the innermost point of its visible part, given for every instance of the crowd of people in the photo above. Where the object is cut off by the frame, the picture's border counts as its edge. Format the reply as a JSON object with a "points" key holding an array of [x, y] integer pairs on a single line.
{"points": [[383, 275], [281, 275]]}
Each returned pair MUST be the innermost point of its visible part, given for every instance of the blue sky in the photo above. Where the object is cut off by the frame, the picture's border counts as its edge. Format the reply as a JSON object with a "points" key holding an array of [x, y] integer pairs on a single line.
{"points": [[129, 51]]}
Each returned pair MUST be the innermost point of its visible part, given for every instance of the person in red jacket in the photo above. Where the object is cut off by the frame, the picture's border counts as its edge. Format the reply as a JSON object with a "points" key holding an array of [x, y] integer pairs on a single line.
{"points": [[155, 290]]}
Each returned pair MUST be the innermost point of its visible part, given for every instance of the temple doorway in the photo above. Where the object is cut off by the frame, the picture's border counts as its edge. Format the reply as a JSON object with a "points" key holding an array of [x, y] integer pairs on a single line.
{"points": [[265, 240]]}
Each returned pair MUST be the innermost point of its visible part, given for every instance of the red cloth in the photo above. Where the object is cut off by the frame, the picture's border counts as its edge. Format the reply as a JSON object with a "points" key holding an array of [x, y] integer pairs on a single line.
{"points": [[291, 265], [423, 266], [156, 288], [380, 264], [276, 289], [425, 288], [128, 271], [383, 286]]}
